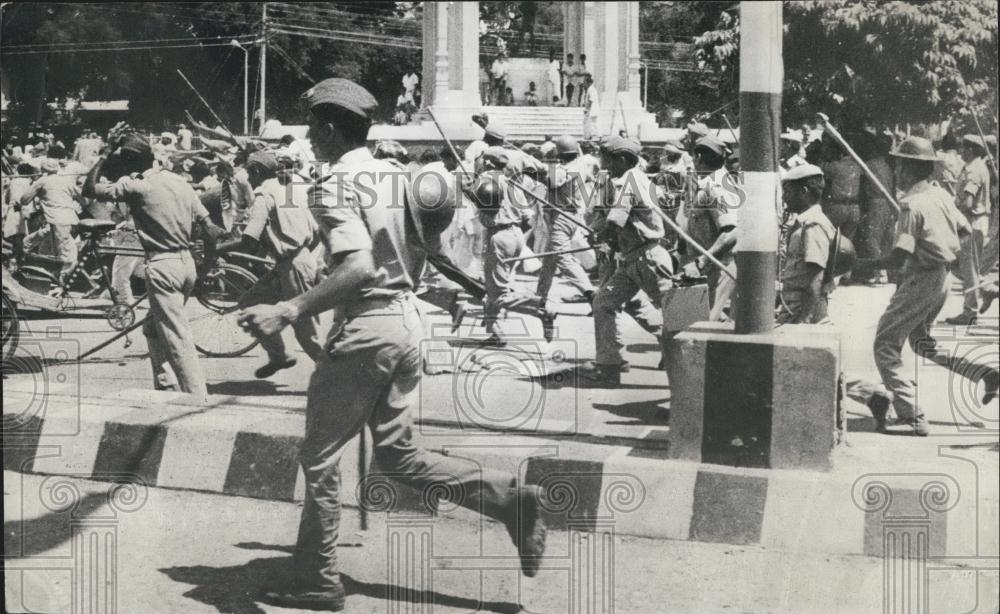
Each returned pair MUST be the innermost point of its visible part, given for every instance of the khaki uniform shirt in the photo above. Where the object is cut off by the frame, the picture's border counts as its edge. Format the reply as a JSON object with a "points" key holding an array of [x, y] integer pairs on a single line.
{"points": [[809, 243], [359, 205], [58, 194], [282, 211], [571, 185], [929, 225], [632, 211], [974, 188], [164, 208], [713, 211]]}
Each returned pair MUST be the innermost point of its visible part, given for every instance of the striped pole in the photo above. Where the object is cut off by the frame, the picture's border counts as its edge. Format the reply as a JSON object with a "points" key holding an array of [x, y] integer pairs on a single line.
{"points": [[761, 76]]}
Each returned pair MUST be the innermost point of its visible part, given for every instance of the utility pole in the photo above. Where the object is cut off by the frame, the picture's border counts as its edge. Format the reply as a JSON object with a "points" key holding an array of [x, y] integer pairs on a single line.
{"points": [[263, 67], [246, 85], [761, 76]]}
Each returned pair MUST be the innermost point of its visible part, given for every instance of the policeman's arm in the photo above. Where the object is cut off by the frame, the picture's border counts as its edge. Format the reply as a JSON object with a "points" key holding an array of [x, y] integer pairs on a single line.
{"points": [[351, 272], [30, 194], [90, 184], [249, 241], [723, 244], [810, 293]]}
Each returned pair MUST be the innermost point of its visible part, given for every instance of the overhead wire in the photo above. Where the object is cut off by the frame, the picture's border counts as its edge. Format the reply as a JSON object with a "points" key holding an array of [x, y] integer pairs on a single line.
{"points": [[117, 48]]}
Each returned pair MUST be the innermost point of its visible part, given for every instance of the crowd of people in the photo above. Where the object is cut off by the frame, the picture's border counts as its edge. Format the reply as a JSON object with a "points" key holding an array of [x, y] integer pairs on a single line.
{"points": [[328, 214]]}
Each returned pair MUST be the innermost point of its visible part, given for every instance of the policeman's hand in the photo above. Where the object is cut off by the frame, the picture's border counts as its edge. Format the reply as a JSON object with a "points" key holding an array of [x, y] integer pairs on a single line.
{"points": [[691, 269], [264, 320]]}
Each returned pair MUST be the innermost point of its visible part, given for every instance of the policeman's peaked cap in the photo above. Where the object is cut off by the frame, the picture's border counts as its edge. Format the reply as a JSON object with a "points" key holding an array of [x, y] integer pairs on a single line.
{"points": [[621, 145], [343, 94]]}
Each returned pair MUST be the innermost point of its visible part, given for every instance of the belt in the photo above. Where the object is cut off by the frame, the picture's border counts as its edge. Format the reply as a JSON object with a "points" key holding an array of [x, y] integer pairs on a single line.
{"points": [[500, 227], [359, 308], [155, 253]]}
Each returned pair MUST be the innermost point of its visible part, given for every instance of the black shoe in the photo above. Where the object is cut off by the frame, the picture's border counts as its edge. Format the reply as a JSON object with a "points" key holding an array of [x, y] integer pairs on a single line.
{"points": [[329, 599], [989, 295], [494, 341], [273, 367], [962, 319], [548, 325], [992, 382], [603, 374], [879, 406], [457, 311], [526, 528]]}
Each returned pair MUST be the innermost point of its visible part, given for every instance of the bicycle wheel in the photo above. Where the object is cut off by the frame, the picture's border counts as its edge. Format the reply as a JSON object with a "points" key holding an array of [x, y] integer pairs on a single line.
{"points": [[11, 327], [213, 315]]}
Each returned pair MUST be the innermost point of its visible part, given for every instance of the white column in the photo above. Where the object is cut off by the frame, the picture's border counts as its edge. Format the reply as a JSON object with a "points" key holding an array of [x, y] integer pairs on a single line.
{"points": [[633, 81], [441, 50], [451, 55]]}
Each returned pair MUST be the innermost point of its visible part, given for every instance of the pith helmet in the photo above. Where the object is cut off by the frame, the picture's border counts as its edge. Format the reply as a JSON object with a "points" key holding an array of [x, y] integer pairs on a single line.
{"points": [[916, 148]]}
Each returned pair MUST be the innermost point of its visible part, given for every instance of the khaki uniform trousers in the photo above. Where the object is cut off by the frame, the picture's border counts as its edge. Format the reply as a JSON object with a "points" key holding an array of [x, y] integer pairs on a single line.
{"points": [[501, 293], [648, 268], [289, 278], [170, 279], [369, 375], [561, 232], [969, 261]]}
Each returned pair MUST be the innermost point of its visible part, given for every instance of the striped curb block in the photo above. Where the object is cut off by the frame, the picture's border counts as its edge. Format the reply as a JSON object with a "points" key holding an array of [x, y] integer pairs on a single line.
{"points": [[778, 408], [160, 440]]}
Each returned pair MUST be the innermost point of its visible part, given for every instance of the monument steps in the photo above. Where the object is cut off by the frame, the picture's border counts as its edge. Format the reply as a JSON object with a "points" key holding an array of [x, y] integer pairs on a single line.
{"points": [[534, 123]]}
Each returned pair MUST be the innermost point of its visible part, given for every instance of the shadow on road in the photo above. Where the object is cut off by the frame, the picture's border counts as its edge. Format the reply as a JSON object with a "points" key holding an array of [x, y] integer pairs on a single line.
{"points": [[235, 589], [27, 538], [253, 387], [651, 412]]}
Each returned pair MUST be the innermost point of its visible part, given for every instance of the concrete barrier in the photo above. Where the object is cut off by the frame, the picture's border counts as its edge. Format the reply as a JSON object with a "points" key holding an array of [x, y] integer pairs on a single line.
{"points": [[239, 446], [767, 400]]}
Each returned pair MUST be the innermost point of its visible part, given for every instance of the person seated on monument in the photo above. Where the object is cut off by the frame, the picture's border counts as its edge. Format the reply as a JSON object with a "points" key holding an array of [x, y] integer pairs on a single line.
{"points": [[531, 96]]}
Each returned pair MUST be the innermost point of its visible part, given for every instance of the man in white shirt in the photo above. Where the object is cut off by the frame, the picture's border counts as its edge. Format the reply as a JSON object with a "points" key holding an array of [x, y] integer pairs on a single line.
{"points": [[593, 107], [554, 76], [499, 71], [410, 81], [185, 137], [580, 81]]}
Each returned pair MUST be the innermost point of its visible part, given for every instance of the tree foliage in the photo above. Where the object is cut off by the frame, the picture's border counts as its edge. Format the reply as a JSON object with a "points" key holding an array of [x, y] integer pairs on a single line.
{"points": [[876, 61]]}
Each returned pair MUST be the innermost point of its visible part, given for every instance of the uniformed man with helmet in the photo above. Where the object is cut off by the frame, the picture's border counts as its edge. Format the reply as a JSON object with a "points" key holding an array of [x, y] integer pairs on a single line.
{"points": [[568, 183], [927, 244], [505, 220], [370, 370], [644, 264]]}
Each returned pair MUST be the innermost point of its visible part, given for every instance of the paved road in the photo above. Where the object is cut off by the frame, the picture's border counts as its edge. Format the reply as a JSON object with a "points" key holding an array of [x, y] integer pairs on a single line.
{"points": [[180, 551], [507, 387]]}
